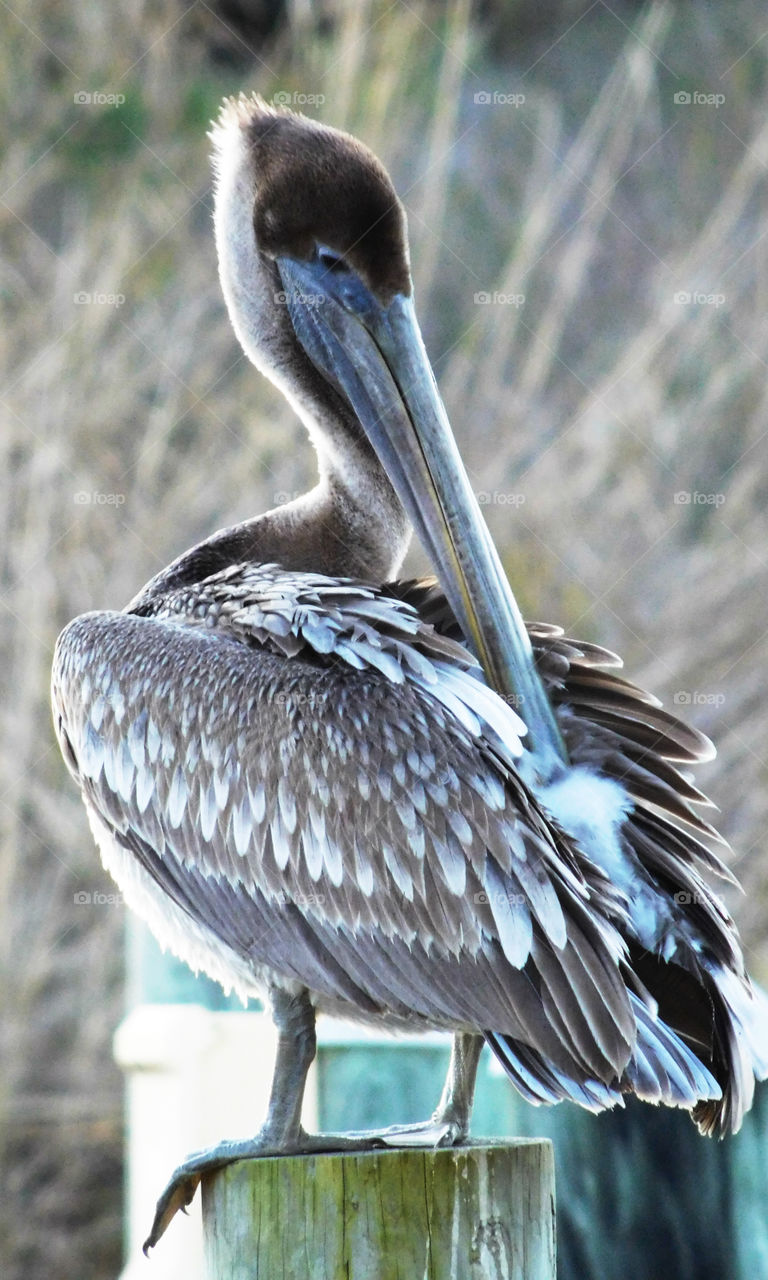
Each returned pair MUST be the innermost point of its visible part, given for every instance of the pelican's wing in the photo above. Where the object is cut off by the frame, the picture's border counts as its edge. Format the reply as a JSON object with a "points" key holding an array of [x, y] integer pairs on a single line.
{"points": [[684, 945], [682, 942], [347, 817]]}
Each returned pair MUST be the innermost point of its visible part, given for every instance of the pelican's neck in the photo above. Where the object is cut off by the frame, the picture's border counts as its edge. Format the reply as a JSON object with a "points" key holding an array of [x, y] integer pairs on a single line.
{"points": [[350, 525], [353, 523]]}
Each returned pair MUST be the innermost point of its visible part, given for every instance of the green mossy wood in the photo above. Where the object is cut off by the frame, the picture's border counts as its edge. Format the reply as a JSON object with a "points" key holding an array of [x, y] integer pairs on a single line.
{"points": [[483, 1212]]}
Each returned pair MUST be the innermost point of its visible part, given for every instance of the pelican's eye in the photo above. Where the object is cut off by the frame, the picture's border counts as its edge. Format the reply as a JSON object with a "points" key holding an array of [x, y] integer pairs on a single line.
{"points": [[330, 260]]}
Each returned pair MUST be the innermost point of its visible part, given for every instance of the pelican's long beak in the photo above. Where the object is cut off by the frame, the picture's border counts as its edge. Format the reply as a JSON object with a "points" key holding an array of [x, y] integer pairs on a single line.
{"points": [[376, 357]]}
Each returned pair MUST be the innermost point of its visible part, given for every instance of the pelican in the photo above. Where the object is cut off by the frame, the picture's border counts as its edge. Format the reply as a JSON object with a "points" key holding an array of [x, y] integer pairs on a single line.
{"points": [[390, 800]]}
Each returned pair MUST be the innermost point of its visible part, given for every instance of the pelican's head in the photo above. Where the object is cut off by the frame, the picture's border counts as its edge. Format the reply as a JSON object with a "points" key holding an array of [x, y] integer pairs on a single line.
{"points": [[313, 258], [289, 189], [307, 185]]}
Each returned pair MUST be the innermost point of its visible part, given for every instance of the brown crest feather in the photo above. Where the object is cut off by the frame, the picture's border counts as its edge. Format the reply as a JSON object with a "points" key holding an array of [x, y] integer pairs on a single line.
{"points": [[317, 185]]}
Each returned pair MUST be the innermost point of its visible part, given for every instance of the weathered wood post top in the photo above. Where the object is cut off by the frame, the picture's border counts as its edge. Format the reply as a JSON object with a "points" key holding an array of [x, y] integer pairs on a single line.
{"points": [[479, 1212]]}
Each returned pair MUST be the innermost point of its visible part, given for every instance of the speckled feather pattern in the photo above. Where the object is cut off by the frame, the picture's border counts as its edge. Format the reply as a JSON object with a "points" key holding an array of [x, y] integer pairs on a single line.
{"points": [[301, 780], [354, 780]]}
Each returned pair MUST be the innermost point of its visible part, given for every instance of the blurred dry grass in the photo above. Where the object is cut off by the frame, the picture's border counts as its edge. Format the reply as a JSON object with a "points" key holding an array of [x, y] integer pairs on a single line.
{"points": [[582, 413]]}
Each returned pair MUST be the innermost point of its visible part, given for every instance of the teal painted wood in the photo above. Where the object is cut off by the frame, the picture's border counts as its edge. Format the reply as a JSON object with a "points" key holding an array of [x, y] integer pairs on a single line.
{"points": [[363, 1086], [483, 1212], [748, 1188]]}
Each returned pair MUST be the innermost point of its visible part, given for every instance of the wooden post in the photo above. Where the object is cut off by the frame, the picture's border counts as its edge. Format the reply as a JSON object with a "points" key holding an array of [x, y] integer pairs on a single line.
{"points": [[480, 1212]]}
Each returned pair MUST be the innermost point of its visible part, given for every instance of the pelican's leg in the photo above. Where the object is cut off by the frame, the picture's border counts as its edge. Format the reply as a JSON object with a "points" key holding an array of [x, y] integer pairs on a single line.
{"points": [[294, 1017], [454, 1109], [281, 1133], [449, 1125]]}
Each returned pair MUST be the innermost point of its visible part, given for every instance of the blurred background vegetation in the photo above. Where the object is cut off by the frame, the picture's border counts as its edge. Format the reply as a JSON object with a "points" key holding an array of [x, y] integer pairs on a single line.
{"points": [[614, 422]]}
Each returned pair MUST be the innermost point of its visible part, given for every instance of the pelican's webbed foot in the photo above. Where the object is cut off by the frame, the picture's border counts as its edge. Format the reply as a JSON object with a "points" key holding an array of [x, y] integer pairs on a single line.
{"points": [[185, 1180], [438, 1131]]}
